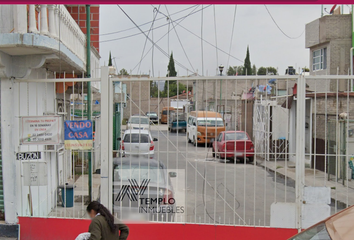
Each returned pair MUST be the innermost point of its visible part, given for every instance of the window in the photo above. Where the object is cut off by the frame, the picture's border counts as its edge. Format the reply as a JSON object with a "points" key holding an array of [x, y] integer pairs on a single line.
{"points": [[210, 122], [136, 138], [236, 136], [319, 59], [220, 137], [137, 120]]}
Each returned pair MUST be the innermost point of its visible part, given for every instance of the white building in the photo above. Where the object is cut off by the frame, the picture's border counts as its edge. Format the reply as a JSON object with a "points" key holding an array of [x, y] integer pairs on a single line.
{"points": [[36, 42]]}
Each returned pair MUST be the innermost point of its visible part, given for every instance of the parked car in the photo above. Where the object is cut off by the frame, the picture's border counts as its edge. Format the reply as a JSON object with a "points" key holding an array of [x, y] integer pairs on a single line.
{"points": [[203, 126], [177, 122], [337, 227], [137, 142], [153, 117], [233, 145], [138, 122], [151, 181]]}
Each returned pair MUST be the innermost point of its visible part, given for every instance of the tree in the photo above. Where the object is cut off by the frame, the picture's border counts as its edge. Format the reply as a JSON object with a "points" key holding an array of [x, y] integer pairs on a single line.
{"points": [[239, 70], [247, 69], [231, 71], [171, 72], [123, 72], [110, 60], [265, 70], [154, 90], [254, 69], [173, 90]]}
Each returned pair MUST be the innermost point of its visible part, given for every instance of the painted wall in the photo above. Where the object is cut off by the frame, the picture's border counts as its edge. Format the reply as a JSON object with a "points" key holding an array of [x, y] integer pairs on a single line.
{"points": [[47, 228]]}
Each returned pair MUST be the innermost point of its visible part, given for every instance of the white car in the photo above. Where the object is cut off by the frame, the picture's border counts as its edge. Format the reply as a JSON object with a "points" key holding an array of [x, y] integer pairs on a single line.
{"points": [[138, 122], [137, 142]]}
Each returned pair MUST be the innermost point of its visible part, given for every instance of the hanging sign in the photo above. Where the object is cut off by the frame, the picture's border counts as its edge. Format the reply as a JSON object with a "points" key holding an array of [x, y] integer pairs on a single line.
{"points": [[40, 130], [78, 134]]}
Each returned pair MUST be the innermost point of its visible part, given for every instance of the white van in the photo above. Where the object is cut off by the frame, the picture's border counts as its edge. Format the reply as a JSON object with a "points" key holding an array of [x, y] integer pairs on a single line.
{"points": [[202, 126]]}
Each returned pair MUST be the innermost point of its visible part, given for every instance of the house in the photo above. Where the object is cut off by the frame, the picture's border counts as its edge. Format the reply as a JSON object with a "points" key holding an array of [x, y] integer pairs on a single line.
{"points": [[329, 40], [38, 42]]}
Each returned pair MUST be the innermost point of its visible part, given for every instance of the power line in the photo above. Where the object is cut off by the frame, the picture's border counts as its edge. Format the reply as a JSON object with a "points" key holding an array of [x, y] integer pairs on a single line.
{"points": [[152, 24], [124, 30], [216, 39], [135, 34], [280, 28], [232, 35], [158, 47], [209, 43], [180, 42], [166, 34], [201, 40]]}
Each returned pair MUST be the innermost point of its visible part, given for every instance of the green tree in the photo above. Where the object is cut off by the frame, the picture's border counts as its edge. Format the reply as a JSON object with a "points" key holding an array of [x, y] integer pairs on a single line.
{"points": [[173, 90], [239, 70], [265, 70], [154, 90], [123, 72], [254, 69], [110, 60], [231, 71], [247, 68], [171, 72]]}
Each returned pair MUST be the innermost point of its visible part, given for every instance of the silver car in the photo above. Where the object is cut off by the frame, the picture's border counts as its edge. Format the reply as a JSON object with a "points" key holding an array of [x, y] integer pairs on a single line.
{"points": [[138, 122], [137, 142]]}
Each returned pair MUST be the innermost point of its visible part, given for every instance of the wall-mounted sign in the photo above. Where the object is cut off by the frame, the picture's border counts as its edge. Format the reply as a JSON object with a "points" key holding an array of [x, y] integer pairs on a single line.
{"points": [[35, 173], [78, 134], [28, 156], [40, 130]]}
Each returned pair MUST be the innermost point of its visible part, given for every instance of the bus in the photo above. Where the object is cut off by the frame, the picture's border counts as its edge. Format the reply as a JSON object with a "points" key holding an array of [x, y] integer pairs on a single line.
{"points": [[165, 113]]}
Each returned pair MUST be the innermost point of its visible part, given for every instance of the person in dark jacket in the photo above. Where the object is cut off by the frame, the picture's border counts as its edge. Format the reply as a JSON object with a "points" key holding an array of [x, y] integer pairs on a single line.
{"points": [[104, 225]]}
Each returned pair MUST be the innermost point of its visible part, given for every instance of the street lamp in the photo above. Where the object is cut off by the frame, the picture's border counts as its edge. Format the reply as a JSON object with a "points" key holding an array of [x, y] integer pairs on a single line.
{"points": [[221, 68]]}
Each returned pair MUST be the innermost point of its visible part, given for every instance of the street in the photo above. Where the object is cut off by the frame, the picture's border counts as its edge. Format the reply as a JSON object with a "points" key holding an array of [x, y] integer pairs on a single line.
{"points": [[219, 191]]}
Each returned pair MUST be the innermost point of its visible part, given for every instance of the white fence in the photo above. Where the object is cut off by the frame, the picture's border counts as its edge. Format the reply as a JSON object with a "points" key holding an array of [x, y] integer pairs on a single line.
{"points": [[285, 137]]}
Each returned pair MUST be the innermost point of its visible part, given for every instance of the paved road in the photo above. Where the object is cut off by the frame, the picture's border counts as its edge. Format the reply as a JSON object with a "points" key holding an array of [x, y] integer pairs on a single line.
{"points": [[218, 191]]}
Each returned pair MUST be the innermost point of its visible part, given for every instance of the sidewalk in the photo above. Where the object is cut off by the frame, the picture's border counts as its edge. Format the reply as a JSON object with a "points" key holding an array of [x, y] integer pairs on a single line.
{"points": [[314, 178], [80, 198]]}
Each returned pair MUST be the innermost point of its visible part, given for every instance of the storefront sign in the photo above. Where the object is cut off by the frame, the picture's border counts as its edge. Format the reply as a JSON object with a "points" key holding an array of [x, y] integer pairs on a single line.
{"points": [[40, 130], [78, 134]]}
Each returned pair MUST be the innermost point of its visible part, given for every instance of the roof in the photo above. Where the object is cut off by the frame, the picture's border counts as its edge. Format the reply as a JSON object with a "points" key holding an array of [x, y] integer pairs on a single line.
{"points": [[136, 131], [137, 160], [205, 114]]}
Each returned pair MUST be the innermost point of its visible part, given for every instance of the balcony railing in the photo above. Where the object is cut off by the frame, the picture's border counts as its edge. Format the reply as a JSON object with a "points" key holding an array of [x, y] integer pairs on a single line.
{"points": [[56, 22]]}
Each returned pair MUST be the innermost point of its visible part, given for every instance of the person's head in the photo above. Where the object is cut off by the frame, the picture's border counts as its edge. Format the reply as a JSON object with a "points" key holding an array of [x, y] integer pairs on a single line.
{"points": [[95, 207]]}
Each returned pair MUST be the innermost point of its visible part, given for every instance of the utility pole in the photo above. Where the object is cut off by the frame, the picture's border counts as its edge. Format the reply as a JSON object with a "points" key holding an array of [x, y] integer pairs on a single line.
{"points": [[221, 68], [89, 101]]}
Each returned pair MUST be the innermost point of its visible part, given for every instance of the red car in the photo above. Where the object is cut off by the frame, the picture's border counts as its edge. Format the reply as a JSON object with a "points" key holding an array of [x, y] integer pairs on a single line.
{"points": [[233, 145]]}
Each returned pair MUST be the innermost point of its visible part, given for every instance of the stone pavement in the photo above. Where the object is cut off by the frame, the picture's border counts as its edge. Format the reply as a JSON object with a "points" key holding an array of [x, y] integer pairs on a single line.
{"points": [[315, 178]]}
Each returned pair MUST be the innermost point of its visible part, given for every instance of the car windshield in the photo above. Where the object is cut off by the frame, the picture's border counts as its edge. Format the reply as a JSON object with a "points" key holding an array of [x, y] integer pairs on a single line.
{"points": [[138, 173], [152, 114], [236, 136], [318, 232], [136, 138], [210, 122], [137, 120]]}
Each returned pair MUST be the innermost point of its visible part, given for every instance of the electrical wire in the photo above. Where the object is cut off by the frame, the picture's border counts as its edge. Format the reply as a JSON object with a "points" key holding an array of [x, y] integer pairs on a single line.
{"points": [[124, 30], [135, 34], [201, 41], [179, 40], [232, 35], [209, 43], [166, 34], [216, 40], [276, 24], [157, 46], [152, 24]]}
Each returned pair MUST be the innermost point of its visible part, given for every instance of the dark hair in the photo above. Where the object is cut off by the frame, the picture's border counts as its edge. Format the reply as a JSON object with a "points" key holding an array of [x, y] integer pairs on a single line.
{"points": [[102, 210]]}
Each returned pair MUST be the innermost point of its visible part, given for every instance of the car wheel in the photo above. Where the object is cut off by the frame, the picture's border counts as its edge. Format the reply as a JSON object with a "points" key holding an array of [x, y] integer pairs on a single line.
{"points": [[250, 159]]}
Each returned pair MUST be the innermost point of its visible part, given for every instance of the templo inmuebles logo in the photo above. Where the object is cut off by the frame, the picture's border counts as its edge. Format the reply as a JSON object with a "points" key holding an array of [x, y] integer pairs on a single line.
{"points": [[133, 190]]}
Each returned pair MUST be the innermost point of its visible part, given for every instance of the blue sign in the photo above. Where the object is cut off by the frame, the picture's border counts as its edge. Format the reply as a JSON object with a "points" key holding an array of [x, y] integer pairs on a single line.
{"points": [[78, 134]]}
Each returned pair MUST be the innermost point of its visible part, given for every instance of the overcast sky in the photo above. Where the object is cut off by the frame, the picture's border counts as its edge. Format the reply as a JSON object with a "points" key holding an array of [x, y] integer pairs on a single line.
{"points": [[253, 27]]}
